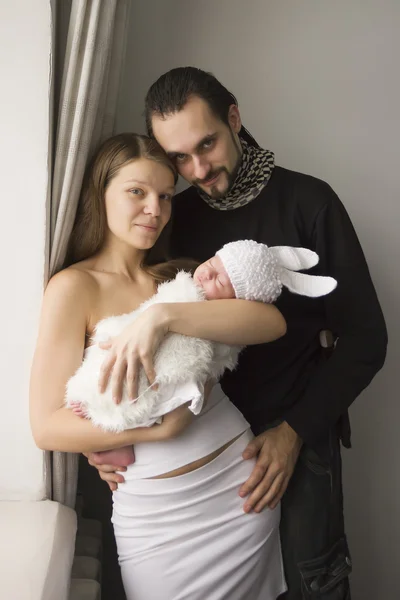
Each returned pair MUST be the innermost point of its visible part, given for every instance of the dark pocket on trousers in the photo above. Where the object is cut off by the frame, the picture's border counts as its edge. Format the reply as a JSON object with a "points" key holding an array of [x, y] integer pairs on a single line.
{"points": [[326, 577], [313, 462]]}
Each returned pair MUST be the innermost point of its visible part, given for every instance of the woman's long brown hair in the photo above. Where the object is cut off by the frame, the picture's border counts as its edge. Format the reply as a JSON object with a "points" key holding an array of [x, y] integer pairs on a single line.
{"points": [[90, 224]]}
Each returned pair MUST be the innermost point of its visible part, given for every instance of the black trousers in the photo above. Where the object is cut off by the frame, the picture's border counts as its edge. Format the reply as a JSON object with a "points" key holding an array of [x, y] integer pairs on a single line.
{"points": [[315, 552]]}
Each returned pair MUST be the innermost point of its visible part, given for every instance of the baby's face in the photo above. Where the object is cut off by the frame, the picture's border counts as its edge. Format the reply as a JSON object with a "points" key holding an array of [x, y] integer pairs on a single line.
{"points": [[214, 280]]}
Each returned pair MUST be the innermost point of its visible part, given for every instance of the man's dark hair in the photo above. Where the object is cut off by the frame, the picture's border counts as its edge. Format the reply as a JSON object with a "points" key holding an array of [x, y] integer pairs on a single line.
{"points": [[170, 93]]}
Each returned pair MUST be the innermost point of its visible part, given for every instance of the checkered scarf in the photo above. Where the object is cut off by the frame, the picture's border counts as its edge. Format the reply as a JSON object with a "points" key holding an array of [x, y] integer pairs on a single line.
{"points": [[253, 175]]}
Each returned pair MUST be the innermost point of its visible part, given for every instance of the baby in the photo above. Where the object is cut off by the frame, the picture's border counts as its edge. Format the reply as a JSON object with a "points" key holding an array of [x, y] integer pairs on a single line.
{"points": [[251, 271], [245, 270]]}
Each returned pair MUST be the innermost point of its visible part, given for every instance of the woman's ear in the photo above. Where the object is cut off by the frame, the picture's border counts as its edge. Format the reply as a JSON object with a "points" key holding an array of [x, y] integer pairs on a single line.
{"points": [[234, 119]]}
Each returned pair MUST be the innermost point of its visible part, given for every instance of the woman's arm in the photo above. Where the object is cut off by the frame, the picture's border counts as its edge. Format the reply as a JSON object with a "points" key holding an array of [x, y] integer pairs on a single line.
{"points": [[59, 352], [234, 322]]}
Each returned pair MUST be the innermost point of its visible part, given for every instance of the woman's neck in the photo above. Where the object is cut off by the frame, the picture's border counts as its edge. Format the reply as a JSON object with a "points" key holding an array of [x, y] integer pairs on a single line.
{"points": [[121, 260]]}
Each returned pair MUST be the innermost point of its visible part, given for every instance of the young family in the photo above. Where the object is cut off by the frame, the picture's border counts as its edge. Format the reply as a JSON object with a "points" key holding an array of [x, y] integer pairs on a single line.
{"points": [[231, 490]]}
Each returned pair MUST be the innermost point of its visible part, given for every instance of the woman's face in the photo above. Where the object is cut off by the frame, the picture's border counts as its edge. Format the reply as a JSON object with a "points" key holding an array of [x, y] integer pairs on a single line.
{"points": [[213, 278], [138, 202]]}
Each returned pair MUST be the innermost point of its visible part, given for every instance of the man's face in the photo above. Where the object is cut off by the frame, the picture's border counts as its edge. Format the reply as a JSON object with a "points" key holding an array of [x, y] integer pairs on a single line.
{"points": [[205, 150]]}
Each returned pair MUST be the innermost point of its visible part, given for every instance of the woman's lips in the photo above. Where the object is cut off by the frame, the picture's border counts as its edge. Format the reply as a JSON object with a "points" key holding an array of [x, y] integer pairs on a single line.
{"points": [[147, 227]]}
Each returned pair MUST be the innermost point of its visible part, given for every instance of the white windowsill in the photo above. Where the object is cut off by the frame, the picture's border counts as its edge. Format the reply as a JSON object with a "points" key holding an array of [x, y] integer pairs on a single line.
{"points": [[36, 550]]}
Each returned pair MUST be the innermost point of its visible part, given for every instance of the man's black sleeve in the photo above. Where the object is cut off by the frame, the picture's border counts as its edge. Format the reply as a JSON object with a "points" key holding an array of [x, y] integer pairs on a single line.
{"points": [[353, 314]]}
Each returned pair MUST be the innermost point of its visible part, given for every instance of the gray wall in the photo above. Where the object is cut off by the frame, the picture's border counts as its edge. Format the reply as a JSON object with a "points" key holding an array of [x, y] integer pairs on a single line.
{"points": [[317, 83]]}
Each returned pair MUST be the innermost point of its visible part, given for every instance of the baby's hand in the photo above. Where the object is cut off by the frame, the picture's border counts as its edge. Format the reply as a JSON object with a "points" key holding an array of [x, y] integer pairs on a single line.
{"points": [[78, 410]]}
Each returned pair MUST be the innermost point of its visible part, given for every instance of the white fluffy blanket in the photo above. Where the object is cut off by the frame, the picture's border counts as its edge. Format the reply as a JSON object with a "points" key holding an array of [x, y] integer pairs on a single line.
{"points": [[182, 364]]}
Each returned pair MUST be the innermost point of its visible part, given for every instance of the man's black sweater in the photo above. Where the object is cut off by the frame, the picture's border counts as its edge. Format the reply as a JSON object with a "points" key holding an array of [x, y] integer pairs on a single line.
{"points": [[288, 379]]}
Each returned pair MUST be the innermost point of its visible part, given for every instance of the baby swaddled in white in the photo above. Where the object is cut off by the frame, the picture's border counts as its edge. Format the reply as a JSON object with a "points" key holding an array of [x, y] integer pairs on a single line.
{"points": [[243, 269], [182, 364]]}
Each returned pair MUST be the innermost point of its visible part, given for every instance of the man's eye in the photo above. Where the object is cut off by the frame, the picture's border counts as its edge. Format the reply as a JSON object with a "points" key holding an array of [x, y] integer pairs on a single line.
{"points": [[208, 144], [180, 158]]}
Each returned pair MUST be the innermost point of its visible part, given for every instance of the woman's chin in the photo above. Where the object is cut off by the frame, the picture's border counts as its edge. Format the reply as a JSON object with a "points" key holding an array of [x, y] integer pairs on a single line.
{"points": [[144, 242]]}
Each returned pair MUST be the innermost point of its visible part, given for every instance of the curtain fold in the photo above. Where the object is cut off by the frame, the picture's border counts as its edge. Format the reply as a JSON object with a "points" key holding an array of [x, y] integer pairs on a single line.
{"points": [[94, 54]]}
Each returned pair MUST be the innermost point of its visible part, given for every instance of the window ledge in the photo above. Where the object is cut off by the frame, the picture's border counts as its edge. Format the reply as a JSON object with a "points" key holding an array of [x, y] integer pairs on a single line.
{"points": [[37, 550]]}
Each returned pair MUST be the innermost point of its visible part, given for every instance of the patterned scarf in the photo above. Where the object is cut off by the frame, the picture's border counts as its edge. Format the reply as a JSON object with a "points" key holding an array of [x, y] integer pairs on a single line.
{"points": [[253, 175]]}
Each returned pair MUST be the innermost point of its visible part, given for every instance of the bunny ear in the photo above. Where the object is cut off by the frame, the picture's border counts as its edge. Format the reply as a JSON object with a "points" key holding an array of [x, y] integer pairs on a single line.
{"points": [[307, 285], [295, 259]]}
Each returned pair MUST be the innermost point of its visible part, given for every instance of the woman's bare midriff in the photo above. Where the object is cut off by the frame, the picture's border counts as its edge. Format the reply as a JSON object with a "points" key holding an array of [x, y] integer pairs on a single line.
{"points": [[197, 463]]}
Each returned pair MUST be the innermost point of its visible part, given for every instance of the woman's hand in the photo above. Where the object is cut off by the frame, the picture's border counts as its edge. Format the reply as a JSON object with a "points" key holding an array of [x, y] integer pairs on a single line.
{"points": [[133, 348]]}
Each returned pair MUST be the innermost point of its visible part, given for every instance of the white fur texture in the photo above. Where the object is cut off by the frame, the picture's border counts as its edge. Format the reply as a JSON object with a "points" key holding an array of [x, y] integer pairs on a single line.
{"points": [[182, 364]]}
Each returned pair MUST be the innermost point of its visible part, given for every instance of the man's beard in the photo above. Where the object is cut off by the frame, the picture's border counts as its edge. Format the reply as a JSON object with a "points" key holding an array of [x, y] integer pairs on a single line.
{"points": [[214, 193]]}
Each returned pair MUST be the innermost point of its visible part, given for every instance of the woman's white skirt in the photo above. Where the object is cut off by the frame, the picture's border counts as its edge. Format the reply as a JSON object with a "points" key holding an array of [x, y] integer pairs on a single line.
{"points": [[187, 537]]}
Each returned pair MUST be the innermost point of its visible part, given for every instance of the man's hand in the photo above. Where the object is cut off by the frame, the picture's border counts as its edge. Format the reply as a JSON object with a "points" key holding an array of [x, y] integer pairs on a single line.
{"points": [[108, 473], [278, 450], [133, 348]]}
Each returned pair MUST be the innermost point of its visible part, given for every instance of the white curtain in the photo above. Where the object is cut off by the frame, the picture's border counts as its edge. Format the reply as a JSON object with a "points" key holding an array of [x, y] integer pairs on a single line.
{"points": [[94, 53]]}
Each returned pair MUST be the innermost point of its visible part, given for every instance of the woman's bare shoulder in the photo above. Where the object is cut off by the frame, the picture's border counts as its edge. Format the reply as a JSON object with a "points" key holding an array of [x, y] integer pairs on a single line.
{"points": [[75, 283]]}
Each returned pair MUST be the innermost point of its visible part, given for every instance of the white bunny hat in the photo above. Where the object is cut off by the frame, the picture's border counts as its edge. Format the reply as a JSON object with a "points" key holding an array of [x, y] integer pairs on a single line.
{"points": [[258, 272]]}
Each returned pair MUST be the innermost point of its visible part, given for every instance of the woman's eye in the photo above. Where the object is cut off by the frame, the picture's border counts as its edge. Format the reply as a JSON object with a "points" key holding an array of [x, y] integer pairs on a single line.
{"points": [[165, 197], [136, 191]]}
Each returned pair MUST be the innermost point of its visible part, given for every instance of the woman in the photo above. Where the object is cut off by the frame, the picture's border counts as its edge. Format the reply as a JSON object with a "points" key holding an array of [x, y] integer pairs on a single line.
{"points": [[178, 520]]}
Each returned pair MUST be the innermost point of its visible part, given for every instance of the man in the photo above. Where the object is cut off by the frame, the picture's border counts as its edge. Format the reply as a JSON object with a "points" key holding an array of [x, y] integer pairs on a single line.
{"points": [[294, 393]]}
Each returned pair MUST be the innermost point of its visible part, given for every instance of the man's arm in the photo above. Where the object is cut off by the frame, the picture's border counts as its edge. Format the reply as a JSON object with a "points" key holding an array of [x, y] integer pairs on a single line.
{"points": [[355, 317]]}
